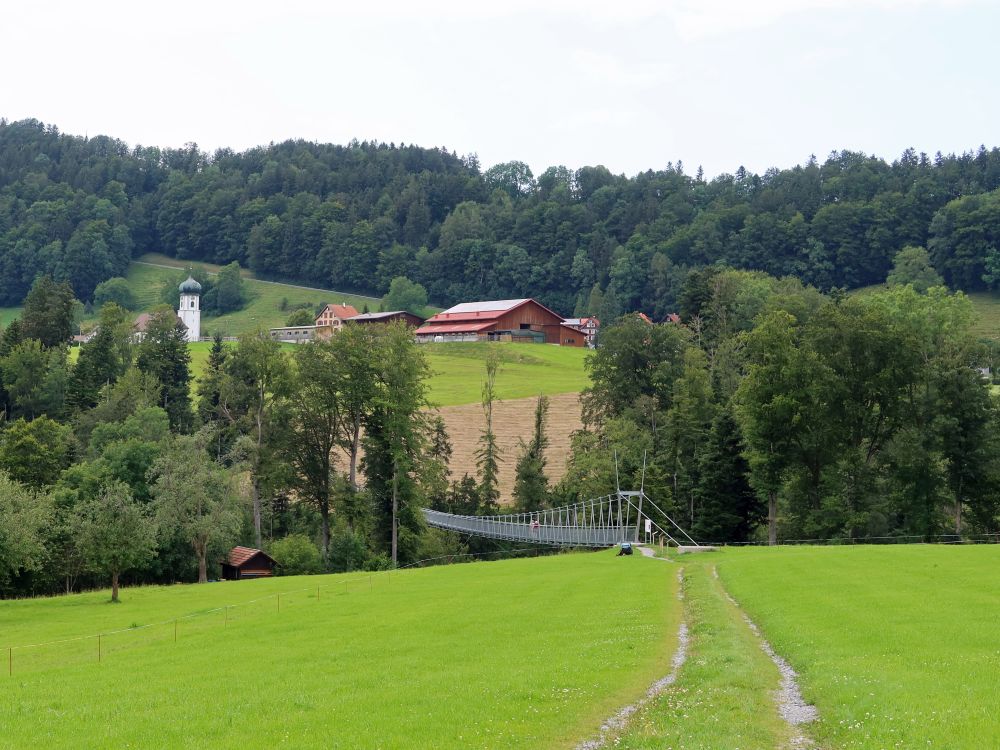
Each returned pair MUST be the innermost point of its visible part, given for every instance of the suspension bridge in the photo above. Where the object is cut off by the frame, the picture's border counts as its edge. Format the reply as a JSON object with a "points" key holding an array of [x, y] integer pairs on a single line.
{"points": [[623, 516]]}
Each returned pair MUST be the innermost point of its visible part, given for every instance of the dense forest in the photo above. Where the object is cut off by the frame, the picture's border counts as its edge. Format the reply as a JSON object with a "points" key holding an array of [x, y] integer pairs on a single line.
{"points": [[586, 241], [780, 413]]}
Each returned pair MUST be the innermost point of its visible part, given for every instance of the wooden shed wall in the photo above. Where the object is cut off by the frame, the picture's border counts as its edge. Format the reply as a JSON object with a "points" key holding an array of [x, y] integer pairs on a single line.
{"points": [[533, 315]]}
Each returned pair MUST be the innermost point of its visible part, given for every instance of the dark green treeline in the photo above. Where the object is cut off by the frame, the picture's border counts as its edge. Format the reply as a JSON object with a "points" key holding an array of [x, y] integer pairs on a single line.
{"points": [[586, 241]]}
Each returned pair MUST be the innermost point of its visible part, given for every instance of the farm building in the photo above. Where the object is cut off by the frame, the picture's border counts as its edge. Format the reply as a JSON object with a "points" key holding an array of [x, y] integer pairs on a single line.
{"points": [[246, 562], [500, 320], [414, 321], [301, 334], [587, 326], [335, 315]]}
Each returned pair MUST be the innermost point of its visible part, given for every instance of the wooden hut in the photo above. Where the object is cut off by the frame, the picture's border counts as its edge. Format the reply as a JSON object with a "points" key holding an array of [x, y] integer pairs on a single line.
{"points": [[246, 562]]}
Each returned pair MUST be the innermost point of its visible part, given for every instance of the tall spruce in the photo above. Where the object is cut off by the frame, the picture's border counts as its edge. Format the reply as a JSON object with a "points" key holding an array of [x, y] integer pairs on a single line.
{"points": [[728, 508], [48, 312], [531, 486]]}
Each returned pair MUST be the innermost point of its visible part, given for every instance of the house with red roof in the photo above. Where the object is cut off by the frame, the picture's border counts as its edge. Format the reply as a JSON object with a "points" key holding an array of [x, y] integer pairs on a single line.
{"points": [[523, 320], [246, 562], [334, 316]]}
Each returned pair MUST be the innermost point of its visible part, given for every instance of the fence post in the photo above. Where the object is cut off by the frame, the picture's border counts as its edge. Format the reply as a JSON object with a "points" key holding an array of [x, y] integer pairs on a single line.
{"points": [[317, 593], [98, 648]]}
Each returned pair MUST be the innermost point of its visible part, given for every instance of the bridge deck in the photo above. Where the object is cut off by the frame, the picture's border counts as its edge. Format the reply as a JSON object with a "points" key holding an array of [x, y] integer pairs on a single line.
{"points": [[537, 533], [600, 522]]}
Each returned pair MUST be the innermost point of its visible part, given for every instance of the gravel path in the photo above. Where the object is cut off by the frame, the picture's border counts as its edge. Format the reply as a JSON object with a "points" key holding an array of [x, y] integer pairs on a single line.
{"points": [[649, 552], [617, 723], [791, 705]]}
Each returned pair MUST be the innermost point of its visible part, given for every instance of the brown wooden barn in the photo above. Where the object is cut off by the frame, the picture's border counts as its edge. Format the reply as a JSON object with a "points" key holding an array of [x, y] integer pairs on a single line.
{"points": [[246, 562], [500, 320]]}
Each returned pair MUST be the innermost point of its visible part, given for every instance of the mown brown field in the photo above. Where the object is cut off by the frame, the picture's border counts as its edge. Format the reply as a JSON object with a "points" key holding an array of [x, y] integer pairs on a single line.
{"points": [[513, 422]]}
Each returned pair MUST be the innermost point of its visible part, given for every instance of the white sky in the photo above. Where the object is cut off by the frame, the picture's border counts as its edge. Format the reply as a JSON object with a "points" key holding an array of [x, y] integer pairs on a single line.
{"points": [[628, 84]]}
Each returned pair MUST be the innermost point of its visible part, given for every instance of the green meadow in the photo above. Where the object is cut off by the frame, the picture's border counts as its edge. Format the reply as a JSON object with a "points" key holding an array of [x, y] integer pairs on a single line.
{"points": [[896, 646], [457, 370], [526, 370], [529, 653]]}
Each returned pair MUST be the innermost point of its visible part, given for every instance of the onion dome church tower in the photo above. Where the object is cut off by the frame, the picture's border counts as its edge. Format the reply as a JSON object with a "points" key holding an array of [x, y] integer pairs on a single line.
{"points": [[190, 312]]}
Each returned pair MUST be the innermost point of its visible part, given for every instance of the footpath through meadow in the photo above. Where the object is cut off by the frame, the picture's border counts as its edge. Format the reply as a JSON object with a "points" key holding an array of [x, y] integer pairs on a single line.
{"points": [[728, 688]]}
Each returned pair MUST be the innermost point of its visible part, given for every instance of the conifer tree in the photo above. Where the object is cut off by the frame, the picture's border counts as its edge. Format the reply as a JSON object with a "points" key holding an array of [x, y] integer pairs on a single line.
{"points": [[728, 508], [531, 486]]}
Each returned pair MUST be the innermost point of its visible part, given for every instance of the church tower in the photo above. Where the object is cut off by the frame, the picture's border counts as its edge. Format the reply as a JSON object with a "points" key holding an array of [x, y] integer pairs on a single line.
{"points": [[190, 312]]}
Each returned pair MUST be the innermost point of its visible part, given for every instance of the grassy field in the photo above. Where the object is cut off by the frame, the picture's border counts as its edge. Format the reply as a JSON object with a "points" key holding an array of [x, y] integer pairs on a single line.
{"points": [[723, 696], [897, 646], [987, 308], [529, 653], [526, 370], [457, 370]]}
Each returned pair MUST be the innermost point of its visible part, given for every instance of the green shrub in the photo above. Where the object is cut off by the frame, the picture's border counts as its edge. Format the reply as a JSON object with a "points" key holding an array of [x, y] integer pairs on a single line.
{"points": [[300, 318], [296, 555], [114, 290], [347, 552]]}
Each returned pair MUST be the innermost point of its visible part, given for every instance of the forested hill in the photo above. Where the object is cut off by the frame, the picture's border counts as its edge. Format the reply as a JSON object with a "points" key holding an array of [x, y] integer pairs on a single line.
{"points": [[586, 241]]}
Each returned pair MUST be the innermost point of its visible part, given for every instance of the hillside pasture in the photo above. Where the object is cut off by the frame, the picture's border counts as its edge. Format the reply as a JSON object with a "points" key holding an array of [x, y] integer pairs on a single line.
{"points": [[264, 306], [526, 370], [530, 653]]}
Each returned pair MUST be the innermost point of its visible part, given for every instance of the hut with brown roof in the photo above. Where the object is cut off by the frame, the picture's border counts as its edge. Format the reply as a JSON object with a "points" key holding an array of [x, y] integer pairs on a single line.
{"points": [[246, 562]]}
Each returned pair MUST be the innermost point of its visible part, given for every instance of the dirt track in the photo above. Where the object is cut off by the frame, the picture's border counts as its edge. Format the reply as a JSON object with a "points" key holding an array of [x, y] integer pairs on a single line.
{"points": [[512, 421]]}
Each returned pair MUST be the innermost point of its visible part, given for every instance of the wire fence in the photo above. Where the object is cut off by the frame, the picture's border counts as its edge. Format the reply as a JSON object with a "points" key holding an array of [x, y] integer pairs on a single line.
{"points": [[983, 538], [97, 648]]}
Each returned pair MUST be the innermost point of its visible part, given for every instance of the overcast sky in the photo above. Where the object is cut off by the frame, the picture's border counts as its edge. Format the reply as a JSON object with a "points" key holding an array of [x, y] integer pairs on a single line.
{"points": [[631, 85]]}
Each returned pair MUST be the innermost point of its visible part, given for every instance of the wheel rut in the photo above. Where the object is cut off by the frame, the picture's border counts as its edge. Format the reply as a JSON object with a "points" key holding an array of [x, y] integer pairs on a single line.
{"points": [[616, 724], [792, 707]]}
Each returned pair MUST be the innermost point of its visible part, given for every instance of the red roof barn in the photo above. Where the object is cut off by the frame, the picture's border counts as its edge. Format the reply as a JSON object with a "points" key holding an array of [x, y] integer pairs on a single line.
{"points": [[500, 320], [246, 562]]}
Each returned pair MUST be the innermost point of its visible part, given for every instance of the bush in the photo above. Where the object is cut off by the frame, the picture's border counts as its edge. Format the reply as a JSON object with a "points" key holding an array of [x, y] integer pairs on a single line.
{"points": [[114, 290], [347, 552], [405, 295], [300, 318], [296, 555]]}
